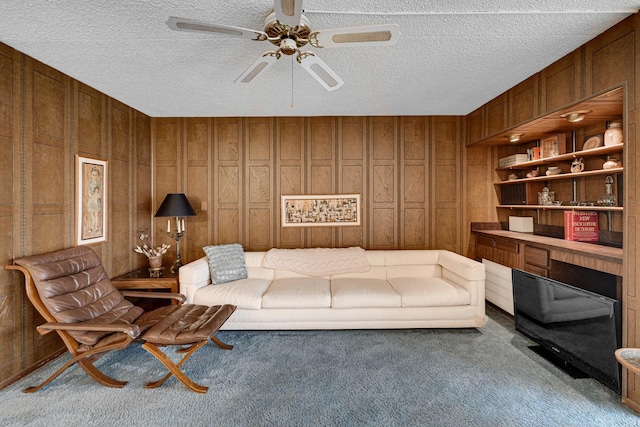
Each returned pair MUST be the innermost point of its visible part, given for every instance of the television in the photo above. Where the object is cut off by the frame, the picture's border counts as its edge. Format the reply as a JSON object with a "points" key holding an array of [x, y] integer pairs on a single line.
{"points": [[578, 328]]}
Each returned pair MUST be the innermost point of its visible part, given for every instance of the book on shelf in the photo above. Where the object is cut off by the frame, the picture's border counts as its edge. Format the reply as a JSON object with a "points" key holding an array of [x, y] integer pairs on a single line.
{"points": [[513, 159], [581, 226]]}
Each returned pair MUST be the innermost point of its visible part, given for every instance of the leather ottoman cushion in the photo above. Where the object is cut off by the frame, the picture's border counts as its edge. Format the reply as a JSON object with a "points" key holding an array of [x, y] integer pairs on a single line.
{"points": [[185, 324]]}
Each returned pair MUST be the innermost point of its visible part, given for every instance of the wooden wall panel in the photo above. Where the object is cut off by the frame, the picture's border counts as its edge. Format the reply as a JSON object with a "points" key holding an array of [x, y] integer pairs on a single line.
{"points": [[611, 59], [524, 101], [352, 173], [475, 126], [48, 120], [384, 190], [166, 154], [121, 192], [227, 196], [142, 183], [91, 112], [561, 82], [390, 161], [496, 112], [414, 182], [290, 179], [11, 289], [258, 174], [321, 172], [446, 184], [478, 192], [198, 182]]}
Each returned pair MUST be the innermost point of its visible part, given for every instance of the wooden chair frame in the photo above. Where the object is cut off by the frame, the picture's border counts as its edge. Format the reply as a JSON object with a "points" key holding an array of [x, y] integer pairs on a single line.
{"points": [[85, 357]]}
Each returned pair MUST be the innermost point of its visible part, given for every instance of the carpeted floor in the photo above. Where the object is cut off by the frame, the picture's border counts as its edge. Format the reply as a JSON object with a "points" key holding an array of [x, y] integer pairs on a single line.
{"points": [[467, 377]]}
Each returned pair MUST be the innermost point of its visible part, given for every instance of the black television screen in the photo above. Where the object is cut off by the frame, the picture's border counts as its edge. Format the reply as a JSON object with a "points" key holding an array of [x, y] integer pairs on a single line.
{"points": [[580, 327]]}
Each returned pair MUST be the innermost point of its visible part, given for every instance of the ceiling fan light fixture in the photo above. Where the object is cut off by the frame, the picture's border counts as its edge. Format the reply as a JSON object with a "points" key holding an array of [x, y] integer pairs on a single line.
{"points": [[288, 46]]}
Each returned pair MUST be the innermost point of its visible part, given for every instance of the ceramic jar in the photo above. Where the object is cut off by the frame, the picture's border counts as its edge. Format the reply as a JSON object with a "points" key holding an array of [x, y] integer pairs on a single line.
{"points": [[613, 134], [611, 163]]}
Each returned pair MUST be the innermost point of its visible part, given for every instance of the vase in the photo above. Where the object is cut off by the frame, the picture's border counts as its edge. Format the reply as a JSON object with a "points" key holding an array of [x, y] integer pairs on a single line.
{"points": [[613, 135], [155, 261]]}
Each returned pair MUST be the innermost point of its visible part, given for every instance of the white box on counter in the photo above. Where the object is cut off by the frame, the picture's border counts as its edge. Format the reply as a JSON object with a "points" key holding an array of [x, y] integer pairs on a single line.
{"points": [[523, 224]]}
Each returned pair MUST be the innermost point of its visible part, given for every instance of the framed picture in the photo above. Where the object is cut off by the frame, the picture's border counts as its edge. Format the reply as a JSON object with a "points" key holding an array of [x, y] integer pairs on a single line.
{"points": [[91, 200], [321, 210], [553, 146]]}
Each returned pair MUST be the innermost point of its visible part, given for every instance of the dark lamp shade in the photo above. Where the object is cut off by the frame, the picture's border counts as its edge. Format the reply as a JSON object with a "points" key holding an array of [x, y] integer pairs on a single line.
{"points": [[175, 204]]}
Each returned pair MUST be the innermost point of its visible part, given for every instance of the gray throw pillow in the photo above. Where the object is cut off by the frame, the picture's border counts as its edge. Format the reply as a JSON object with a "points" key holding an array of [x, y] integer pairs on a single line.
{"points": [[226, 263]]}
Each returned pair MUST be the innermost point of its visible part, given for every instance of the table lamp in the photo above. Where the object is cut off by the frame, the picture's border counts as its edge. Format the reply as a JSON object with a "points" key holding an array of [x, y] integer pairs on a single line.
{"points": [[175, 205]]}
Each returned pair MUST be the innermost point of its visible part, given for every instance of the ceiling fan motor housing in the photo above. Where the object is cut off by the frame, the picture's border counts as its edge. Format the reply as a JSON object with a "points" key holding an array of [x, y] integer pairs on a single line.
{"points": [[278, 32]]}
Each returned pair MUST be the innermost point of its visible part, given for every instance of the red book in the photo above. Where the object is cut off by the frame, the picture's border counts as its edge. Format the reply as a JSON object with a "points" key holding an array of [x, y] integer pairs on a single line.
{"points": [[581, 226]]}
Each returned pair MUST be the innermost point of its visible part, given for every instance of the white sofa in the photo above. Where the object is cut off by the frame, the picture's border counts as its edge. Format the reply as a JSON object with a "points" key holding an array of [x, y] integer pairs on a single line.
{"points": [[401, 289]]}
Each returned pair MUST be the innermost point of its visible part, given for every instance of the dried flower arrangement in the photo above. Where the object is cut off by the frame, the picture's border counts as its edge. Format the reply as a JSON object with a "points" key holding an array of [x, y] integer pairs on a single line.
{"points": [[147, 247]]}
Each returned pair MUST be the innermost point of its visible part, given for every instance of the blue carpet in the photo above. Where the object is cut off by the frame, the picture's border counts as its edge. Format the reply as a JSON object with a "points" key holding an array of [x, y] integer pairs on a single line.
{"points": [[448, 377]]}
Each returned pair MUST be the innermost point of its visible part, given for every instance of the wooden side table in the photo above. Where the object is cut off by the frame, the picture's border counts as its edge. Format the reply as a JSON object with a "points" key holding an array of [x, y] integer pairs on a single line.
{"points": [[141, 279], [629, 358]]}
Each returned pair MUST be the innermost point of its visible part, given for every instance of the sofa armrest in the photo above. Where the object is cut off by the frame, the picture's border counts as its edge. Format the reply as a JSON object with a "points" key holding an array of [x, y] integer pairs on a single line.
{"points": [[464, 272], [194, 276], [464, 267]]}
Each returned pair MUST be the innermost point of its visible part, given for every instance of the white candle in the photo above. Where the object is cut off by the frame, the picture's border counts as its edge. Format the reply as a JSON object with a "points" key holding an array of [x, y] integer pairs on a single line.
{"points": [[168, 226], [183, 225]]}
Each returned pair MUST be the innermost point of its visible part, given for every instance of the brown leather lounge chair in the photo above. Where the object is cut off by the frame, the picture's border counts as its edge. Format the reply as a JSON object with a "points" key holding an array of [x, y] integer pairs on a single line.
{"points": [[73, 293]]}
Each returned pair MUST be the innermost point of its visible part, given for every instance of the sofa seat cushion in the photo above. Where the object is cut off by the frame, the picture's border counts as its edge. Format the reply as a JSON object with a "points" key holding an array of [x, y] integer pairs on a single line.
{"points": [[429, 292], [298, 292], [357, 293], [243, 293]]}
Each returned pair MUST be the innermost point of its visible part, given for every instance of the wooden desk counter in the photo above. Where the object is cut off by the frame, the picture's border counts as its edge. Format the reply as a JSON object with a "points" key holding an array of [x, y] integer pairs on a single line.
{"points": [[589, 255]]}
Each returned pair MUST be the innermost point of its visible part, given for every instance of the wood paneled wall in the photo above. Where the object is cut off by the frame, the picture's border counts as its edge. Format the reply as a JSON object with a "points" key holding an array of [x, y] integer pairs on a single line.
{"points": [[46, 118], [234, 170]]}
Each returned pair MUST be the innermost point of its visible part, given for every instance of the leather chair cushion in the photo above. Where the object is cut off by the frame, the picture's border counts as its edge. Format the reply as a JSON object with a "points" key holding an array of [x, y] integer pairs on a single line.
{"points": [[74, 287]]}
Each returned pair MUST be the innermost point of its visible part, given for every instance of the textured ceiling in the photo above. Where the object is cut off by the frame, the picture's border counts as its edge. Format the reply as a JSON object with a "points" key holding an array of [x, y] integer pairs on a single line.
{"points": [[451, 57]]}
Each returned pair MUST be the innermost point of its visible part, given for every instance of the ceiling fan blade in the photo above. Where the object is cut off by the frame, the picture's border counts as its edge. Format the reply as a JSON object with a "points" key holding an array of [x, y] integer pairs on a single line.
{"points": [[371, 35], [265, 61], [321, 72], [182, 24], [288, 12]]}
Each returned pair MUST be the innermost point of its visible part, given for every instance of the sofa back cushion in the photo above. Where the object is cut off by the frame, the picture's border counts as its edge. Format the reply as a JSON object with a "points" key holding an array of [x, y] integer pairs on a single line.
{"points": [[376, 272], [255, 270], [394, 271], [412, 257], [412, 263]]}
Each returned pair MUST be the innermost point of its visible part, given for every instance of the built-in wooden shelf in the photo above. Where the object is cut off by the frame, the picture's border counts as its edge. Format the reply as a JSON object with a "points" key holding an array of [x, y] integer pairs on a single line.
{"points": [[592, 152]]}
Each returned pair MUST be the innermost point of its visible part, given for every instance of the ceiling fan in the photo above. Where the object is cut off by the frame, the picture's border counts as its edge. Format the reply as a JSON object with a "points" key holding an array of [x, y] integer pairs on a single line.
{"points": [[288, 29]]}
